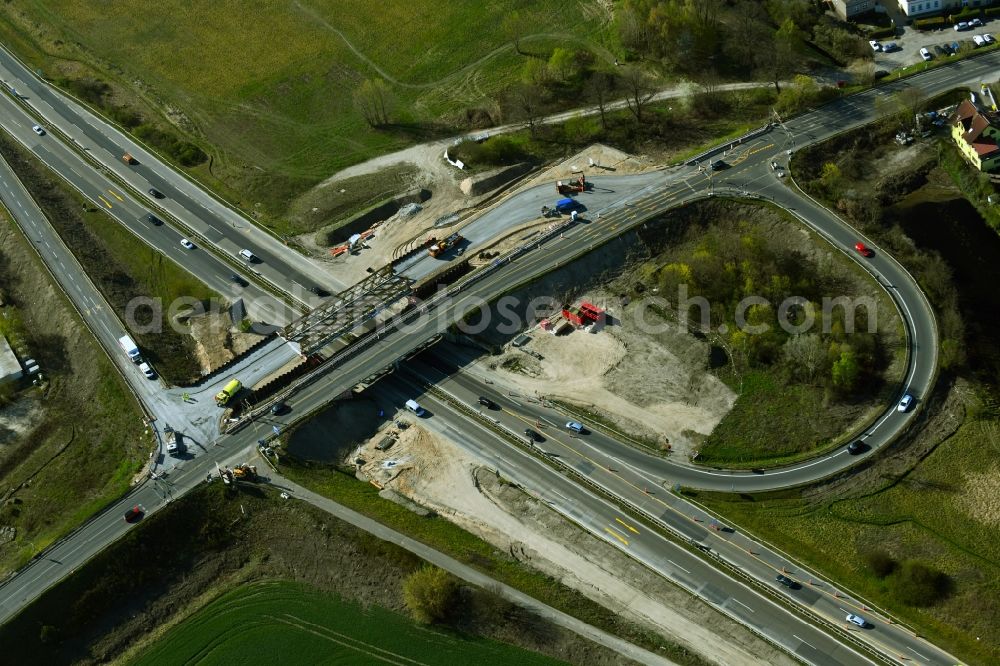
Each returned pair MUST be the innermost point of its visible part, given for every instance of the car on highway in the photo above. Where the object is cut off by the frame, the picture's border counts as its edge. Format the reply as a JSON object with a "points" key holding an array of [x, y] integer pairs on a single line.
{"points": [[486, 402], [147, 370], [856, 447], [875, 45], [236, 279], [135, 514], [279, 408], [38, 129], [925, 54], [187, 244], [857, 619], [719, 165], [787, 582], [905, 403], [533, 435], [863, 249], [574, 426], [961, 26], [155, 193], [319, 291], [152, 219]]}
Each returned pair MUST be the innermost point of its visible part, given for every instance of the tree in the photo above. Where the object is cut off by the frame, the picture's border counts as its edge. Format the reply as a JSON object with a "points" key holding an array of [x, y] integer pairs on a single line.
{"points": [[515, 26], [846, 371], [804, 355], [600, 89], [525, 100], [917, 584], [778, 58], [638, 88], [830, 177], [374, 101], [430, 594], [562, 63]]}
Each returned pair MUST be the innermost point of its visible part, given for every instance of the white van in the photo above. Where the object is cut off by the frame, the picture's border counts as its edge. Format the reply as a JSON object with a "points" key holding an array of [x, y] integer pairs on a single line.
{"points": [[414, 407], [249, 256]]}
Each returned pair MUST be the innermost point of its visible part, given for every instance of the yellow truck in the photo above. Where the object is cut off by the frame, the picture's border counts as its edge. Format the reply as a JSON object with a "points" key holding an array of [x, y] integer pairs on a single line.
{"points": [[223, 397]]}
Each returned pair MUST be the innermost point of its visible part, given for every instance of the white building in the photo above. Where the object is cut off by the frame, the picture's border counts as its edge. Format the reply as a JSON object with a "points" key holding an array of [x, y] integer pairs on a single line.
{"points": [[10, 369], [850, 9], [919, 8]]}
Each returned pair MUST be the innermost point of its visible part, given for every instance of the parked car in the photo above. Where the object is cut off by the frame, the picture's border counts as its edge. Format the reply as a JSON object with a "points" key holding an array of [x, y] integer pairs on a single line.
{"points": [[960, 26], [856, 447], [976, 23], [940, 50], [187, 244], [988, 38], [38, 129], [891, 46], [925, 54], [857, 619], [978, 40], [954, 47], [863, 249], [905, 403], [875, 45]]}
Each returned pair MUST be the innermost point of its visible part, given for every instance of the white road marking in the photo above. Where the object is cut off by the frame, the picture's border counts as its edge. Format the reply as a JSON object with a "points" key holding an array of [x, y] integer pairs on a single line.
{"points": [[915, 652], [806, 642], [679, 566], [741, 604]]}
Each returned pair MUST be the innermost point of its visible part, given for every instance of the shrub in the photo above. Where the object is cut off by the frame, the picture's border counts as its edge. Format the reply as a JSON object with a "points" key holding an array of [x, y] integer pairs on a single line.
{"points": [[917, 584], [882, 33], [184, 152], [930, 23], [992, 11], [430, 594], [499, 150], [880, 562]]}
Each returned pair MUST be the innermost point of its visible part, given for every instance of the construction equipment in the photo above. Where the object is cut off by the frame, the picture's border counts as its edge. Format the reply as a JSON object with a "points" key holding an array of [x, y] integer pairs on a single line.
{"points": [[173, 438], [246, 472], [572, 186], [227, 393], [438, 247], [549, 212]]}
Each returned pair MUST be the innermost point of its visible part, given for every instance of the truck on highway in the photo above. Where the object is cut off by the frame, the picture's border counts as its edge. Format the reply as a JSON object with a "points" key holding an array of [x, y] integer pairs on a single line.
{"points": [[223, 397], [129, 347]]}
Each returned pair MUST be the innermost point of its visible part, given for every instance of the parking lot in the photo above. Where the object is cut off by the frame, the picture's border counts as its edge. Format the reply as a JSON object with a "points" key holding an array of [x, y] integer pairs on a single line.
{"points": [[911, 41]]}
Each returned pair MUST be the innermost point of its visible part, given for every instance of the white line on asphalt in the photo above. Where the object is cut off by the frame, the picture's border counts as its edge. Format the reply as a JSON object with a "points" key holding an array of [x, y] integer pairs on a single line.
{"points": [[742, 604], [806, 642], [915, 652], [679, 566]]}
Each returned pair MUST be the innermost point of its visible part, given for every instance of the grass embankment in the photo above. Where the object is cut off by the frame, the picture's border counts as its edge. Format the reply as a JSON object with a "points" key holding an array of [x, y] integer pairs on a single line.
{"points": [[267, 90], [943, 513], [69, 451], [341, 486], [288, 623], [122, 266]]}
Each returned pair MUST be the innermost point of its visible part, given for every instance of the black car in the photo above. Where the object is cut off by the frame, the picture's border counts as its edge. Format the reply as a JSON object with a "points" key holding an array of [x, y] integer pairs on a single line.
{"points": [[155, 193], [152, 219], [486, 402], [319, 291], [236, 279], [787, 582], [719, 165], [533, 435], [279, 408], [856, 447]]}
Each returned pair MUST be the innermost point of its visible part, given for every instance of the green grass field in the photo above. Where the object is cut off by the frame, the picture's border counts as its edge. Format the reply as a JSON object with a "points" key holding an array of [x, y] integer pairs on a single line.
{"points": [[945, 512], [268, 85], [288, 623]]}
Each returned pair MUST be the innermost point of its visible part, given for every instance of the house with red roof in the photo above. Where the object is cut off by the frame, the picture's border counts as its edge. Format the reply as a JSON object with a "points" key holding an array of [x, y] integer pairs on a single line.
{"points": [[975, 136]]}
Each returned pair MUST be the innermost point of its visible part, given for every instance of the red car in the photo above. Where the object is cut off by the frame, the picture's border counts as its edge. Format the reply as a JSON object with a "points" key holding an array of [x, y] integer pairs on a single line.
{"points": [[863, 249], [134, 514]]}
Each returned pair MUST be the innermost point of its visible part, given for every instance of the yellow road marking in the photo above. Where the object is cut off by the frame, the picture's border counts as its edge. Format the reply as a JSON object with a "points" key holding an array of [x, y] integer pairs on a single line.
{"points": [[616, 535], [627, 526], [104, 200], [115, 195]]}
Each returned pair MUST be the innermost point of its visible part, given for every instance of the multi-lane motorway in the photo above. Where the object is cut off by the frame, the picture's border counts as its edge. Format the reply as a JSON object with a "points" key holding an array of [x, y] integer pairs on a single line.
{"points": [[748, 172]]}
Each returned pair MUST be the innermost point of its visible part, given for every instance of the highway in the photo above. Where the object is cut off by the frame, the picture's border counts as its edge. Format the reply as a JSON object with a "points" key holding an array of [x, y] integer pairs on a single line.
{"points": [[749, 172], [210, 219]]}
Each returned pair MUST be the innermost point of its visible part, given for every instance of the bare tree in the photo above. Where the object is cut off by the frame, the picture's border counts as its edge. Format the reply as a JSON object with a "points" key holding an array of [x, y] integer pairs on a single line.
{"points": [[638, 87], [525, 100], [600, 89], [515, 26], [374, 101]]}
